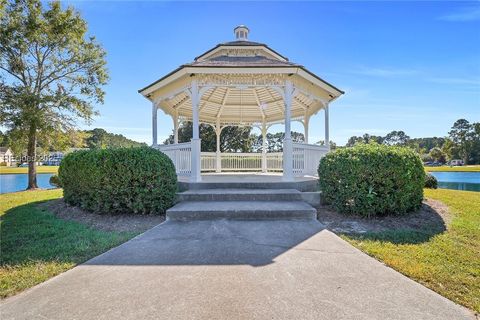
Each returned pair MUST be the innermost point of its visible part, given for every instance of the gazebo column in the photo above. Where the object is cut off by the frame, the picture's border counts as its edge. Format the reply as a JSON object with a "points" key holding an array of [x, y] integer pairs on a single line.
{"points": [[218, 155], [287, 141], [154, 124], [175, 129], [306, 122], [327, 129], [264, 147], [196, 142]]}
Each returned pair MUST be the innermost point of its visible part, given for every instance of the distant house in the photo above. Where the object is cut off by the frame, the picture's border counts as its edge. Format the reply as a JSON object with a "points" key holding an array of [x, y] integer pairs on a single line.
{"points": [[6, 157], [54, 158], [457, 162]]}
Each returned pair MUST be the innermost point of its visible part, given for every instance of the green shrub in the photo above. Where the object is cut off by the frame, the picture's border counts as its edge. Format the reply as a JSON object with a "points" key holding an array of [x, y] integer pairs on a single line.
{"points": [[55, 181], [372, 179], [124, 180], [430, 181]]}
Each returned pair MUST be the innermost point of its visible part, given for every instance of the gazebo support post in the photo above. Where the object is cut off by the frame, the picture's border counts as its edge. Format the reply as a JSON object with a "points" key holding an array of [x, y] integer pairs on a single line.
{"points": [[264, 147], [196, 142], [327, 130], [218, 156], [154, 124], [287, 141], [175, 129], [306, 121]]}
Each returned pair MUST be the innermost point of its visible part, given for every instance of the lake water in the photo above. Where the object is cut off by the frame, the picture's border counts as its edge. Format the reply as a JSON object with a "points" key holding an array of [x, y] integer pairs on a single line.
{"points": [[469, 181], [446, 180], [18, 182]]}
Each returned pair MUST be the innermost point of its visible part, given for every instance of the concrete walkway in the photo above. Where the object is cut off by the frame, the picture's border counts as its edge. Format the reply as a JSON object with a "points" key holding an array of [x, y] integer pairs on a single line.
{"points": [[232, 270]]}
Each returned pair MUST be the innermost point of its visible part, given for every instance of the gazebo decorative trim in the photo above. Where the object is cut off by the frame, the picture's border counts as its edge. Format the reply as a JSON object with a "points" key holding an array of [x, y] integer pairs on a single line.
{"points": [[241, 83]]}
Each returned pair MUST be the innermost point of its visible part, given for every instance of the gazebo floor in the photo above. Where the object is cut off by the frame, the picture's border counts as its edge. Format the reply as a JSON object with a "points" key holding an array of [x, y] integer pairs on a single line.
{"points": [[248, 180]]}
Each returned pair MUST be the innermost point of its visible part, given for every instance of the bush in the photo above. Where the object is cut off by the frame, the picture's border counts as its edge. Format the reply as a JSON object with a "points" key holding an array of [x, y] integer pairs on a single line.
{"points": [[124, 180], [430, 181], [55, 181], [372, 179]]}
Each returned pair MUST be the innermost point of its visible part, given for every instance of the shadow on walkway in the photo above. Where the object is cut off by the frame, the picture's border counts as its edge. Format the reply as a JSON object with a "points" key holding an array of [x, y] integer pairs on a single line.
{"points": [[216, 242]]}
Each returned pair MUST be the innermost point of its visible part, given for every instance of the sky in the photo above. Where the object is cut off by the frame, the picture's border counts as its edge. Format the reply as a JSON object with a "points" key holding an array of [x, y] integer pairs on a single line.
{"points": [[411, 66]]}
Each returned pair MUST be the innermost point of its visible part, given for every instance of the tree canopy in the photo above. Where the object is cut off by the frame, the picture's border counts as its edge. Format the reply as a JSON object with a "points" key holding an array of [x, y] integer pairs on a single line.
{"points": [[233, 139], [51, 73], [462, 142]]}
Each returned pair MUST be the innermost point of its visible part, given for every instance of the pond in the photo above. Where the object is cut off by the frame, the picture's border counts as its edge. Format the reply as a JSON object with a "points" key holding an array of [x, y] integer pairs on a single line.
{"points": [[469, 181], [18, 182]]}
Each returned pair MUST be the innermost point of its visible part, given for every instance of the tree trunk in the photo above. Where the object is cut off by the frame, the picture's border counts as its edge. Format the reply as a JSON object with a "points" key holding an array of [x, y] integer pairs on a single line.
{"points": [[32, 157]]}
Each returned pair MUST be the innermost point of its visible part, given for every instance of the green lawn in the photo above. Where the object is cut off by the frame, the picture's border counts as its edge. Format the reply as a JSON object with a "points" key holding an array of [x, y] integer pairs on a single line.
{"points": [[449, 262], [37, 246], [40, 169], [473, 168]]}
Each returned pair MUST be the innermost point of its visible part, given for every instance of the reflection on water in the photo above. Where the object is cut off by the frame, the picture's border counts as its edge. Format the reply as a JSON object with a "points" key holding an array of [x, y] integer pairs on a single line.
{"points": [[19, 182], [469, 181]]}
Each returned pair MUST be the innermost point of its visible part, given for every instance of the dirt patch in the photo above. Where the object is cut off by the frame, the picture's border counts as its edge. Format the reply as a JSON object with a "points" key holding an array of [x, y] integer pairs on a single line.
{"points": [[433, 215], [120, 223]]}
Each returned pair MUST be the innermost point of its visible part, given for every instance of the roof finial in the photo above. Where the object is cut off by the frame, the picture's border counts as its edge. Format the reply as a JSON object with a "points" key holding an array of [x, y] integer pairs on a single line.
{"points": [[241, 32]]}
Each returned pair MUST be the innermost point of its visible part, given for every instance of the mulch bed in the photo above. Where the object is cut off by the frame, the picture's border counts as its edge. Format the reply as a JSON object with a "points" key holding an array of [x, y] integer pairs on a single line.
{"points": [[432, 214], [105, 222]]}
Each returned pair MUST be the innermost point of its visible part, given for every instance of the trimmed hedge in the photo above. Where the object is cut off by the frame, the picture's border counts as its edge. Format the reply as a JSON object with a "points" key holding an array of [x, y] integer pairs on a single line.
{"points": [[372, 179], [120, 180], [55, 181], [430, 181]]}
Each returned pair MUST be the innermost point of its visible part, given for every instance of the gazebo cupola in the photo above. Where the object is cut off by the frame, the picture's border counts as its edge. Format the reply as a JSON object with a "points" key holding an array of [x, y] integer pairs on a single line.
{"points": [[241, 33], [239, 83]]}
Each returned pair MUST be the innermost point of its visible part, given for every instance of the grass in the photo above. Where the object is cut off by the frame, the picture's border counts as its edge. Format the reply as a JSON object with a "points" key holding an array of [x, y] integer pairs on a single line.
{"points": [[472, 168], [37, 246], [449, 262], [40, 169]]}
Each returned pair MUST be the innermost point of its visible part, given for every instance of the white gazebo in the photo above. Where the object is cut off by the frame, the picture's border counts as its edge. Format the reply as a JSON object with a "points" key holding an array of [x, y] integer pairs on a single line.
{"points": [[241, 83]]}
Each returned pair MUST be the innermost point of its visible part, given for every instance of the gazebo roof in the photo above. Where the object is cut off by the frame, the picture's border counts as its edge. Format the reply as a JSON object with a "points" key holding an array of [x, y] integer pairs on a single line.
{"points": [[242, 43], [239, 61], [241, 81]]}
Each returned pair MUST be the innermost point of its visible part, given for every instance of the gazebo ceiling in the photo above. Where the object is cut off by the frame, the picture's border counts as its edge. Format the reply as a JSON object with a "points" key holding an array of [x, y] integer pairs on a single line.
{"points": [[241, 83], [240, 105]]}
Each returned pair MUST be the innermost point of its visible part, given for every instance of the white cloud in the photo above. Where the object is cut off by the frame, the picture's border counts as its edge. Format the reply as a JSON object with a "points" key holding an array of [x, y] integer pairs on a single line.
{"points": [[367, 130], [384, 72], [454, 80], [463, 15]]}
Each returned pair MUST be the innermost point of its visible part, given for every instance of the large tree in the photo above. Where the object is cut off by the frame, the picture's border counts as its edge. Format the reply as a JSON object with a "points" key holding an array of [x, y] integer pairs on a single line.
{"points": [[232, 138], [99, 138], [398, 138], [465, 138], [52, 73], [366, 138]]}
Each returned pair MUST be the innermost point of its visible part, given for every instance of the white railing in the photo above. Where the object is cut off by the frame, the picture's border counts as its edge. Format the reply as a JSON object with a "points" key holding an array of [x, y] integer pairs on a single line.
{"points": [[275, 161], [181, 156], [241, 161], [209, 161], [236, 161], [306, 158]]}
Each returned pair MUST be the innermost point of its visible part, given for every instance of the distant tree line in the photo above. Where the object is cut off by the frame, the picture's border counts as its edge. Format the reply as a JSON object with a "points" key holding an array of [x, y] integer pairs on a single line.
{"points": [[61, 141], [233, 139], [462, 142]]}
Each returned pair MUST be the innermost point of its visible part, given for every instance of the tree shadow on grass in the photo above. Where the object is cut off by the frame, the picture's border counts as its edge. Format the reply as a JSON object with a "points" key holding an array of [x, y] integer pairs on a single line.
{"points": [[403, 236], [31, 233], [413, 228]]}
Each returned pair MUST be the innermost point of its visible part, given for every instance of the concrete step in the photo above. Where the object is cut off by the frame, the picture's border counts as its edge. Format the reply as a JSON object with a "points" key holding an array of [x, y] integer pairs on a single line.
{"points": [[240, 195], [300, 185], [241, 210]]}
